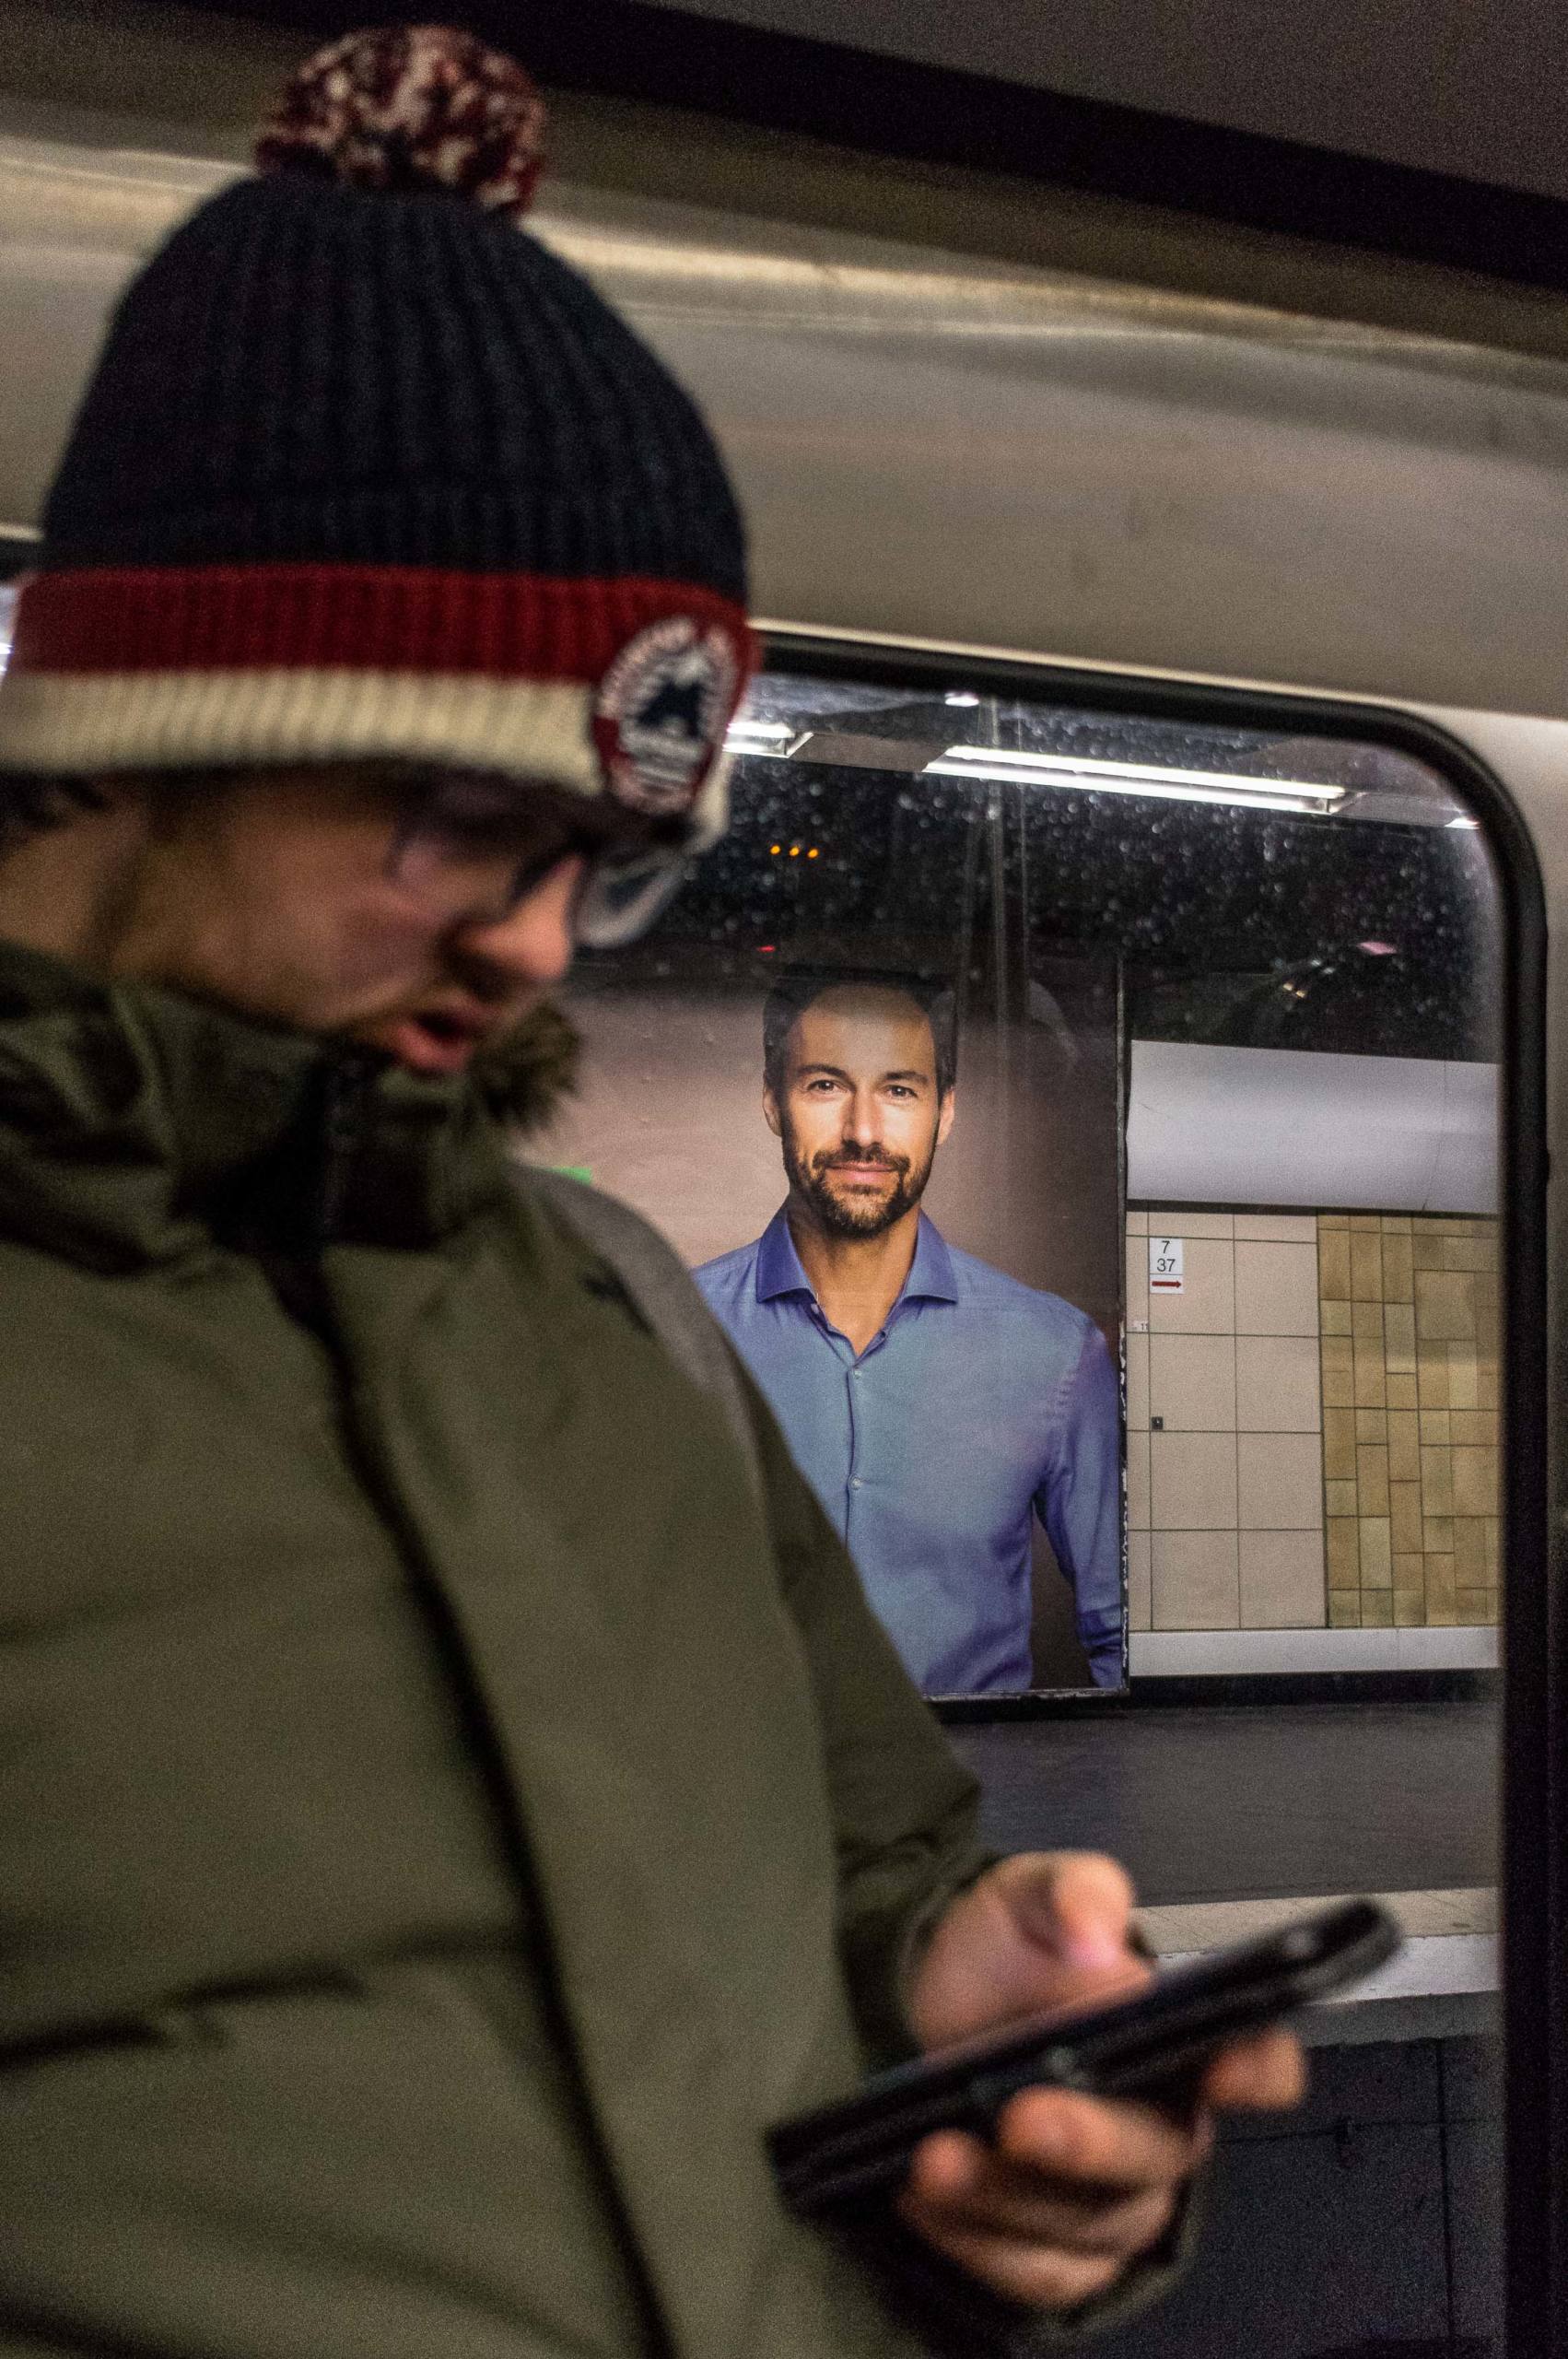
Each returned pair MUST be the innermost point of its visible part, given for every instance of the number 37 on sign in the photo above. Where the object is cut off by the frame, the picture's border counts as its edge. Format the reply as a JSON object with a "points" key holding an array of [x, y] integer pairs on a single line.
{"points": [[1164, 1265]]}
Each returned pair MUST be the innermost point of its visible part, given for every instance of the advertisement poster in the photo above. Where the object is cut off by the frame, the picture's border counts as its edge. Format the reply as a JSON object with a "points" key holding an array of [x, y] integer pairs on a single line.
{"points": [[900, 1191]]}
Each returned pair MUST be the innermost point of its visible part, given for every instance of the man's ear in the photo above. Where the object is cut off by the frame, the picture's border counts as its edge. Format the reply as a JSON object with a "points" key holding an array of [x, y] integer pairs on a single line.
{"points": [[945, 1112], [771, 1115]]}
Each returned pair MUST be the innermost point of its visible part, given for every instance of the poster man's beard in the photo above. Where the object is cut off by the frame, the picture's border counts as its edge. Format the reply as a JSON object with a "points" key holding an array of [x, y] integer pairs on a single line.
{"points": [[844, 1216]]}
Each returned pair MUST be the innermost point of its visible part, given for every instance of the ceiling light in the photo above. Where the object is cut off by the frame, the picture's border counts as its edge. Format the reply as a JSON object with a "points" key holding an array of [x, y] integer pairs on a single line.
{"points": [[960, 696], [1464, 823], [761, 736], [1000, 766]]}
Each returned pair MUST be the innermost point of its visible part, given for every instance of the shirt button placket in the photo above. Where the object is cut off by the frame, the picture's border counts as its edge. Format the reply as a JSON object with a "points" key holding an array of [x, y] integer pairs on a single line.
{"points": [[851, 1379]]}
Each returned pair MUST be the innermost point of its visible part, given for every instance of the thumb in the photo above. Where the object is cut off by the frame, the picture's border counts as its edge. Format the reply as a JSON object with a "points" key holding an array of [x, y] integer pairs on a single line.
{"points": [[1077, 1905]]}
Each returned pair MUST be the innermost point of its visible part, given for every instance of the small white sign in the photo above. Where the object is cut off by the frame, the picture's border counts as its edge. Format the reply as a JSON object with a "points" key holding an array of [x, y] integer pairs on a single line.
{"points": [[1164, 1265]]}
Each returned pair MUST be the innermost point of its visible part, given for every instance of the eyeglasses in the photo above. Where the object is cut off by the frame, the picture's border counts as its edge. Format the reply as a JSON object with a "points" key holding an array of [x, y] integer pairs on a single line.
{"points": [[471, 850]]}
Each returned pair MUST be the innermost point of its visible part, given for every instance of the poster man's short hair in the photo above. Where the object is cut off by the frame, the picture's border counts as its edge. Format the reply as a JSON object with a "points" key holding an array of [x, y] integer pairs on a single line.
{"points": [[791, 995]]}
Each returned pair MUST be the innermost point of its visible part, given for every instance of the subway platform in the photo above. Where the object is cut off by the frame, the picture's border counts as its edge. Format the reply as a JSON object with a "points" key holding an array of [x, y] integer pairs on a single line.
{"points": [[1366, 2225]]}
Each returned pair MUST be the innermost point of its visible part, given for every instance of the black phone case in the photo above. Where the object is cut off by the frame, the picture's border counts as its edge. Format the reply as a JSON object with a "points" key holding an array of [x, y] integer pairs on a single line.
{"points": [[1149, 2045]]}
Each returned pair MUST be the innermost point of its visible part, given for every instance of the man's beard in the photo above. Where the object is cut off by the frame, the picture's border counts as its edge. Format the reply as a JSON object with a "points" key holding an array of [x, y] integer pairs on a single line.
{"points": [[846, 1216]]}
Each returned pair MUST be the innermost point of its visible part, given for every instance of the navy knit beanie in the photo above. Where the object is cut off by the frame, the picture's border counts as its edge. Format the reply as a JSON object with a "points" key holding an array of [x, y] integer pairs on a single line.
{"points": [[366, 471]]}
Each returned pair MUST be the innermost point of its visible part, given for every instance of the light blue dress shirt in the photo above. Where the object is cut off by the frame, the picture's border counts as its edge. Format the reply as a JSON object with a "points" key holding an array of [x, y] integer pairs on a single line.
{"points": [[979, 1403]]}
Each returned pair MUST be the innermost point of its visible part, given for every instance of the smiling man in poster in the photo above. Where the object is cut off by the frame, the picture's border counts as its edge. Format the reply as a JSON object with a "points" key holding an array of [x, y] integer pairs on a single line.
{"points": [[935, 1404]]}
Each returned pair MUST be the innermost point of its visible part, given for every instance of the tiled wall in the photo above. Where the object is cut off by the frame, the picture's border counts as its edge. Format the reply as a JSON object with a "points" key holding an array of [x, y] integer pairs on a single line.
{"points": [[1312, 1423], [1224, 1441], [1410, 1419]]}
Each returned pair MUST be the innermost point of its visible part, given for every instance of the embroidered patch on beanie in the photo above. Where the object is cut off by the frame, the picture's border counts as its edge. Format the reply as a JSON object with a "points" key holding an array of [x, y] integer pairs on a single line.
{"points": [[365, 470]]}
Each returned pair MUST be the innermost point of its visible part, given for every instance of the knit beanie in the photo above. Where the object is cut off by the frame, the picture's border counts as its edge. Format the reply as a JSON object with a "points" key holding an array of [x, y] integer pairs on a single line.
{"points": [[364, 470]]}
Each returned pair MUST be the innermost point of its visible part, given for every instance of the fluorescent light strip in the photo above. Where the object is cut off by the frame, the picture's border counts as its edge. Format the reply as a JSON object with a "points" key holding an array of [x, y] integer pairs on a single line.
{"points": [[1000, 766], [744, 734]]}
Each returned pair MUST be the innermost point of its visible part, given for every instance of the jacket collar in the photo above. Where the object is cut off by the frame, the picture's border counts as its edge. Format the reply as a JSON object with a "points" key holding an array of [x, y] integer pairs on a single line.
{"points": [[137, 1125]]}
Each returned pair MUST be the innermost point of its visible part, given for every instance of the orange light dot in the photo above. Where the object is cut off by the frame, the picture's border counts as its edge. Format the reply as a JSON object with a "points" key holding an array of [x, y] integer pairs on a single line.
{"points": [[794, 852], [774, 850], [811, 854]]}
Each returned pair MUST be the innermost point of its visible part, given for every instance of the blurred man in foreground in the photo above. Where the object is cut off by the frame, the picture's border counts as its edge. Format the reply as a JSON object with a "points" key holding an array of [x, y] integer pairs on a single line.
{"points": [[452, 1794]]}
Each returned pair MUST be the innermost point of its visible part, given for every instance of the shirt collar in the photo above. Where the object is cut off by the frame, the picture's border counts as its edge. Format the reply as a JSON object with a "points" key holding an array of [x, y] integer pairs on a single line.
{"points": [[779, 1270]]}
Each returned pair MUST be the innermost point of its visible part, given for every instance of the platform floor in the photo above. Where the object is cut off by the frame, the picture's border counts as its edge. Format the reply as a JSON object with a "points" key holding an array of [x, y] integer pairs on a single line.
{"points": [[1232, 1802]]}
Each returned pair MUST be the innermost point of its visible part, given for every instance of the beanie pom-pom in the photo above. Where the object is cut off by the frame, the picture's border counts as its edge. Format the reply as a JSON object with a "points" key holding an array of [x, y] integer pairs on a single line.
{"points": [[412, 106]]}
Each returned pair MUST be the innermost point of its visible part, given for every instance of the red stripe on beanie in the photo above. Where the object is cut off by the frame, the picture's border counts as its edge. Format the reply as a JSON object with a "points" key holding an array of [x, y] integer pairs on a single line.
{"points": [[349, 617]]}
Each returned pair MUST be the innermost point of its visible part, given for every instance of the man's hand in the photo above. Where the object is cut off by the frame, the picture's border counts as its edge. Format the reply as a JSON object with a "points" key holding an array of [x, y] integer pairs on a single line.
{"points": [[1076, 2187]]}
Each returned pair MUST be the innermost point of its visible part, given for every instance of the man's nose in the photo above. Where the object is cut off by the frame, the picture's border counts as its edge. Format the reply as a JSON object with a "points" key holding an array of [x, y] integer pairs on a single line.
{"points": [[862, 1125], [534, 943]]}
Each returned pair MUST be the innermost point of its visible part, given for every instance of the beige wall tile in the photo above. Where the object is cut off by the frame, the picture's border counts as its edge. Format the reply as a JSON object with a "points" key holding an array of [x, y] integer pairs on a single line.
{"points": [[1432, 1364], [1475, 1482], [1372, 1481], [1333, 1220], [1472, 1606], [1372, 1425], [1366, 1322], [1137, 1224], [1340, 1445], [1206, 1305], [1464, 1377], [1366, 1265], [1339, 1372], [1137, 1278], [1409, 1605], [1487, 1396], [1395, 1224], [1402, 1392], [1469, 1551], [1277, 1384], [1344, 1609], [1340, 1498], [1194, 1580], [1376, 1554], [1437, 1538], [1137, 1482], [1335, 1317], [1137, 1383], [1275, 1289], [1399, 1338], [1193, 1382], [1399, 1272], [1366, 1223], [1474, 1428], [1280, 1482], [1192, 1481], [1167, 1221], [1404, 1518], [1342, 1552], [1445, 1307], [1140, 1610], [1475, 1253], [1376, 1609], [1437, 1482], [1492, 1529], [1334, 1264], [1442, 1609], [1283, 1585], [1435, 1428], [1278, 1228], [1410, 1571], [1371, 1380], [1404, 1446]]}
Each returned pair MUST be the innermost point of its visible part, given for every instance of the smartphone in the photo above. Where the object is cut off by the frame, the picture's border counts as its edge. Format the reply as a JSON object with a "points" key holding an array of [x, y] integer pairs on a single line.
{"points": [[1152, 2043]]}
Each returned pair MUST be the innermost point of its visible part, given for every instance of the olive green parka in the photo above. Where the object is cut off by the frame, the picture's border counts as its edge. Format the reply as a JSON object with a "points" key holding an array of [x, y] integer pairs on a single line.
{"points": [[445, 1812]]}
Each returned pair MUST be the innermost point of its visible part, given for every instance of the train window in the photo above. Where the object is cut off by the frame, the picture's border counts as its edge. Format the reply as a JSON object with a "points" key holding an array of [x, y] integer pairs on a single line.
{"points": [[1080, 1099], [1206, 1013]]}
